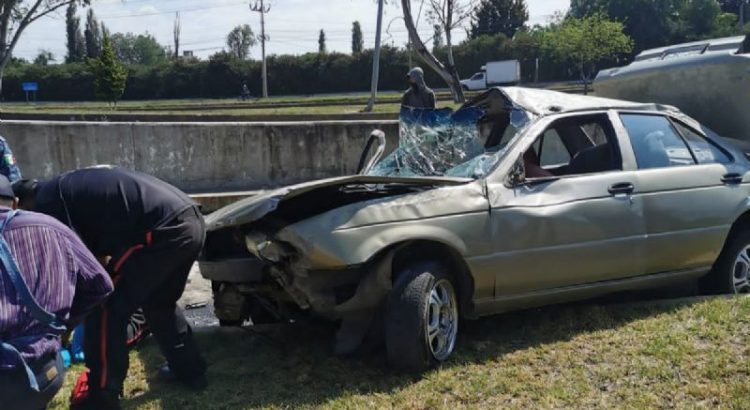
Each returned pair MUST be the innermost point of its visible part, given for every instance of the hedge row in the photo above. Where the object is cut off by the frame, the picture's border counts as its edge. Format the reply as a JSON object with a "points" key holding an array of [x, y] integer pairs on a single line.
{"points": [[222, 77]]}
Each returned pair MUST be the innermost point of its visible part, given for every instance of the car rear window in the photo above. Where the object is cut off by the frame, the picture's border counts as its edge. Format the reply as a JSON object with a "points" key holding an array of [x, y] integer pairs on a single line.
{"points": [[655, 141]]}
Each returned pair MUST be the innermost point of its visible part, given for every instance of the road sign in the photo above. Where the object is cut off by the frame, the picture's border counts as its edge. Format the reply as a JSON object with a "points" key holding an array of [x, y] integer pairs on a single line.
{"points": [[30, 87]]}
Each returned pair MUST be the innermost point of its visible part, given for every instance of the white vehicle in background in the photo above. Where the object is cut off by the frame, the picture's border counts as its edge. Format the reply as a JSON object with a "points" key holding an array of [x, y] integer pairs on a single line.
{"points": [[493, 74]]}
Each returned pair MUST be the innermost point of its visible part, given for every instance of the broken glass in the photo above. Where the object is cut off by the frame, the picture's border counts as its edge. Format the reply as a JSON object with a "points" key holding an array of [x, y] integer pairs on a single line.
{"points": [[444, 143]]}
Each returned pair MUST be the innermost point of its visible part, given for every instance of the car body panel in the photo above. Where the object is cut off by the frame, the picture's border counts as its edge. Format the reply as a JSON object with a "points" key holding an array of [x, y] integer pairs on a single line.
{"points": [[350, 235], [559, 223]]}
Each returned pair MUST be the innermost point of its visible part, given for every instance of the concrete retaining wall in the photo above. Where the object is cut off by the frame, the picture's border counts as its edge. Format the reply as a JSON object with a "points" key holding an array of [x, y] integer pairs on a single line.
{"points": [[197, 157]]}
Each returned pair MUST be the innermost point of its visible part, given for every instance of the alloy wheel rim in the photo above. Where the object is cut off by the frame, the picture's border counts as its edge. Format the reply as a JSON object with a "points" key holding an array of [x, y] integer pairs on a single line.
{"points": [[441, 320], [740, 278]]}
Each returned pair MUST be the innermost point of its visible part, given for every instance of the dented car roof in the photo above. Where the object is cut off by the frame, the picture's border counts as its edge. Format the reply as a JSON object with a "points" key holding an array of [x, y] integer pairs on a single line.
{"points": [[542, 102]]}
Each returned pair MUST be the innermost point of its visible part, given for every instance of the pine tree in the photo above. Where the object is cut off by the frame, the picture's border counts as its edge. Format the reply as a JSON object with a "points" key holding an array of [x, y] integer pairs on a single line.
{"points": [[499, 16], [322, 42], [358, 42], [111, 76]]}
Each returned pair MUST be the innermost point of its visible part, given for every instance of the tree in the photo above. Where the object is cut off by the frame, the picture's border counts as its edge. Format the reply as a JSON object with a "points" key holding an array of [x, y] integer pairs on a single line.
{"points": [[16, 16], [499, 16], [142, 49], [322, 42], [239, 41], [437, 38], [44, 58], [358, 42], [449, 14], [110, 75], [583, 42], [700, 18], [75, 42], [93, 35]]}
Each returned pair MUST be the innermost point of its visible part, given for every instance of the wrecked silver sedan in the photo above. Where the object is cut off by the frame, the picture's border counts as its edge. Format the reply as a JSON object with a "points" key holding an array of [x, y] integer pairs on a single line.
{"points": [[521, 198]]}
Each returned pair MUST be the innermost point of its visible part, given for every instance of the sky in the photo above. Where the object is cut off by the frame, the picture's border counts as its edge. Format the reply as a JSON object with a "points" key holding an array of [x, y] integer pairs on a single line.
{"points": [[292, 25]]}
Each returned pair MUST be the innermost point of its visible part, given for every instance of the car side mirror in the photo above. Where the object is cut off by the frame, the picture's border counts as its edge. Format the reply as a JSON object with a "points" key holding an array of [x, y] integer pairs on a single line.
{"points": [[517, 174], [365, 166]]}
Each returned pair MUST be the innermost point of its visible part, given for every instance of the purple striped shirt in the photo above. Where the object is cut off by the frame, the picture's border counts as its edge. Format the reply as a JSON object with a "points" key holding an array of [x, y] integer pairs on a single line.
{"points": [[61, 273]]}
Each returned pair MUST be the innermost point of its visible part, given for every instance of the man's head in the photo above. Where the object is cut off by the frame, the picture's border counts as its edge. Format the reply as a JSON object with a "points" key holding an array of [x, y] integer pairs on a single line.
{"points": [[25, 191], [415, 77], [7, 197]]}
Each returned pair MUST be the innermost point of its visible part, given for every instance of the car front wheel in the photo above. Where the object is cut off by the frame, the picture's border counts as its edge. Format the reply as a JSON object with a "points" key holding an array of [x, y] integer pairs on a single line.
{"points": [[422, 318], [731, 273]]}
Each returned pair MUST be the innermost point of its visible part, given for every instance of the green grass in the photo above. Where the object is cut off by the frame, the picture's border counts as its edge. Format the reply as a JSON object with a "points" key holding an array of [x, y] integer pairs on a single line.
{"points": [[685, 355]]}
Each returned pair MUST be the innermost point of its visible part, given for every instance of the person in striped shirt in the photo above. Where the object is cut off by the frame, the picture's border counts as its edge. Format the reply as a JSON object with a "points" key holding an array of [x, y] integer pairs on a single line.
{"points": [[62, 278]]}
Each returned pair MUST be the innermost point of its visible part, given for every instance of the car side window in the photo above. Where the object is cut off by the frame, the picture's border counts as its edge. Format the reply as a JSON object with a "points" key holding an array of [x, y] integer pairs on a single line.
{"points": [[573, 146], [655, 142], [553, 152], [705, 152]]}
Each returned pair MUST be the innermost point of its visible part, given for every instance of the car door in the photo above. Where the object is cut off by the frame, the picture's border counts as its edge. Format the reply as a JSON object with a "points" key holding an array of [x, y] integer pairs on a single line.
{"points": [[689, 189], [565, 230]]}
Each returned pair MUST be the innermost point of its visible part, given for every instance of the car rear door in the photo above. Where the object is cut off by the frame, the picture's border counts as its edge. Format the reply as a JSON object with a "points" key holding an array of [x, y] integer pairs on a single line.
{"points": [[567, 230], [690, 190]]}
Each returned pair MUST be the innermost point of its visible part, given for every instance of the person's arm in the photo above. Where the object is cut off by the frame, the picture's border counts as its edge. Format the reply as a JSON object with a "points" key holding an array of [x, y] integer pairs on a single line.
{"points": [[93, 284]]}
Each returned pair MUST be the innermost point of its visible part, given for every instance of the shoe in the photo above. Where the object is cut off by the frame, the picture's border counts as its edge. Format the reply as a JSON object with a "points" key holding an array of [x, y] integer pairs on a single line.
{"points": [[166, 374], [97, 400], [196, 383]]}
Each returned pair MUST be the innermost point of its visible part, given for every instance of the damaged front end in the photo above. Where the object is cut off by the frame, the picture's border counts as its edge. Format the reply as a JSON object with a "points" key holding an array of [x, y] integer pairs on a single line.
{"points": [[325, 248], [276, 257]]}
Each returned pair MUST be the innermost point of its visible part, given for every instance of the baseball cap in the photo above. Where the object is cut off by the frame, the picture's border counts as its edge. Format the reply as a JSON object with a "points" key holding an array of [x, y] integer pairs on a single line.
{"points": [[6, 189]]}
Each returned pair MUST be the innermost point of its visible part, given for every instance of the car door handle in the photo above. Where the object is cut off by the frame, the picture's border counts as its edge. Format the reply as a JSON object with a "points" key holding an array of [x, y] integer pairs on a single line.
{"points": [[622, 188], [732, 178]]}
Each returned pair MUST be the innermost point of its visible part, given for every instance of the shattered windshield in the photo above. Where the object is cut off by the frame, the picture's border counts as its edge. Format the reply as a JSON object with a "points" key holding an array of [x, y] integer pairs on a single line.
{"points": [[465, 143]]}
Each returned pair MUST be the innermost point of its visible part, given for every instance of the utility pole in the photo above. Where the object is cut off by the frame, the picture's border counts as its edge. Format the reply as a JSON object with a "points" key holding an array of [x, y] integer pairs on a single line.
{"points": [[376, 60], [743, 4], [259, 7]]}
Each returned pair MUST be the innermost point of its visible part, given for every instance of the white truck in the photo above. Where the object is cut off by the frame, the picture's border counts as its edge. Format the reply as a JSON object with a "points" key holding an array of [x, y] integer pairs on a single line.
{"points": [[494, 73]]}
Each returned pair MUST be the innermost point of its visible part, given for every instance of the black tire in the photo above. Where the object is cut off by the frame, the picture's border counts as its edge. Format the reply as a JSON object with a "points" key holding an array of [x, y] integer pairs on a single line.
{"points": [[721, 279], [406, 341], [465, 88], [230, 323]]}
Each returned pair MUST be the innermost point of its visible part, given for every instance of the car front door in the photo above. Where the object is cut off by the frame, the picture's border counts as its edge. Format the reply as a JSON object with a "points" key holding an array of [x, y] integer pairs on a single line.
{"points": [[568, 229], [690, 190]]}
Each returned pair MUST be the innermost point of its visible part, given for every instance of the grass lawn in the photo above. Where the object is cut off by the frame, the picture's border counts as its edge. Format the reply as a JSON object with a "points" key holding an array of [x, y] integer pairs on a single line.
{"points": [[683, 355]]}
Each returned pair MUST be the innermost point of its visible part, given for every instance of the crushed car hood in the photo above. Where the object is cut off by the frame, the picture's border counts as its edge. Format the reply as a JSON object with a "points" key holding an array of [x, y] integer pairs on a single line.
{"points": [[254, 208]]}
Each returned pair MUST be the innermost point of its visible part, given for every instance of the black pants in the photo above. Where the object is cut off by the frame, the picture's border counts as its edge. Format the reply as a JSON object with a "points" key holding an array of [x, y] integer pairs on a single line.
{"points": [[151, 275], [15, 392]]}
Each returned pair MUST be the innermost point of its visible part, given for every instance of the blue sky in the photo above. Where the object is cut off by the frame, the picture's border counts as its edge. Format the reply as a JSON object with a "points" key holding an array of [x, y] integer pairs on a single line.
{"points": [[292, 25]]}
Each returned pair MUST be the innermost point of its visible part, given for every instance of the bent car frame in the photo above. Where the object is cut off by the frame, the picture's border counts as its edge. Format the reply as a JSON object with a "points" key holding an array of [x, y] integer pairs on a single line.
{"points": [[519, 199]]}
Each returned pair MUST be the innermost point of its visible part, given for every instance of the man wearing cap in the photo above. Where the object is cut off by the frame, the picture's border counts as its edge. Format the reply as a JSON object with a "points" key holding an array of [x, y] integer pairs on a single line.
{"points": [[153, 233], [418, 95], [48, 281]]}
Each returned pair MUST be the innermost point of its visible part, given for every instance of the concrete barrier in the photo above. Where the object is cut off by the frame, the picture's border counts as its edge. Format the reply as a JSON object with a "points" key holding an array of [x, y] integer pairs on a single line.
{"points": [[197, 157]]}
